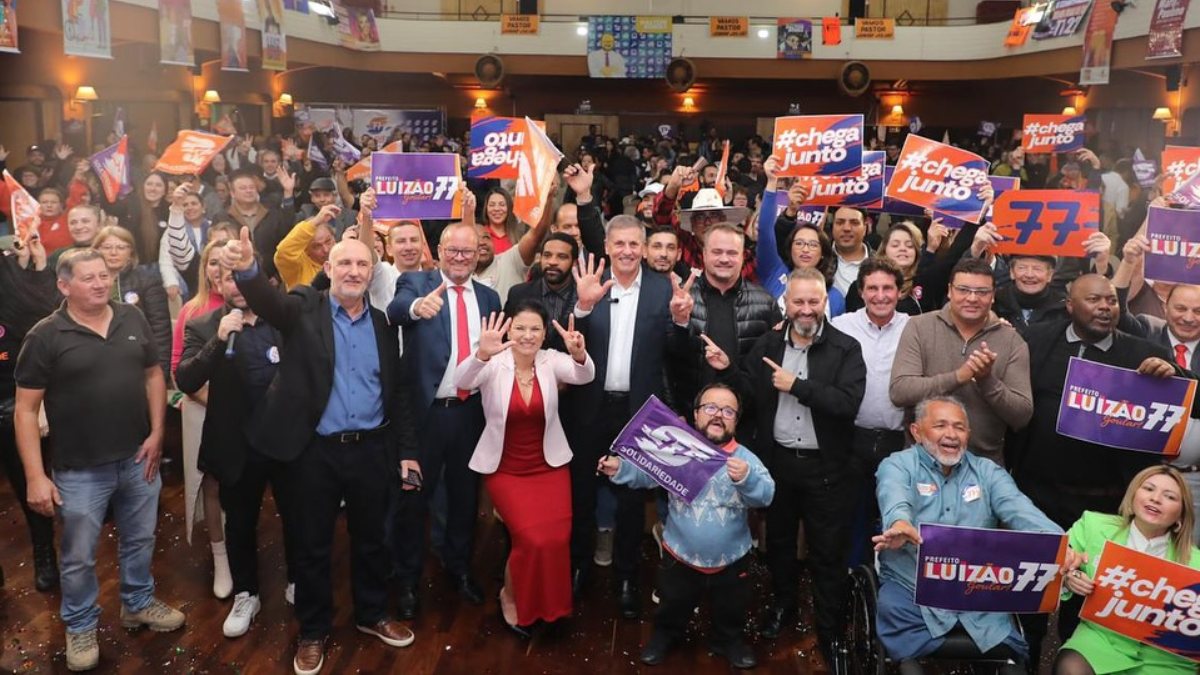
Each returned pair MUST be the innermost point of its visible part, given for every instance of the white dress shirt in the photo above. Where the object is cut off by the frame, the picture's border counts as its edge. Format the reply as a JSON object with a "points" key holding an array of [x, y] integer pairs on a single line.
{"points": [[622, 321], [1191, 348], [846, 273], [1139, 542], [879, 351], [447, 389]]}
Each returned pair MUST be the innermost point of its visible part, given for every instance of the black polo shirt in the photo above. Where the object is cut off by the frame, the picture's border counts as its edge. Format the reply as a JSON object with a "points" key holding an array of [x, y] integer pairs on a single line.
{"points": [[95, 387]]}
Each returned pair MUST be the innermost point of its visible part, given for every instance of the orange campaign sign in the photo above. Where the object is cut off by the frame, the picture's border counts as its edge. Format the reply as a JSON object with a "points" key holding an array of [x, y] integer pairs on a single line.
{"points": [[939, 177], [23, 207], [1018, 32], [361, 170], [1179, 164], [519, 24], [1147, 599], [536, 168], [1046, 222], [728, 26], [831, 30], [191, 152]]}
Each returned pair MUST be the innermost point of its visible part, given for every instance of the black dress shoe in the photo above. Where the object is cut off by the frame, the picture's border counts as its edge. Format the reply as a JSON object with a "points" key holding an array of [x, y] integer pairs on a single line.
{"points": [[629, 599], [45, 567], [468, 589], [578, 582], [520, 631], [775, 620], [656, 650], [739, 654], [408, 603]]}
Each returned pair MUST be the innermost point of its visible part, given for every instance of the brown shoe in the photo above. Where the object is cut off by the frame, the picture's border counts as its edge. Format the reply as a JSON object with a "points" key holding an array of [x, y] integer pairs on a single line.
{"points": [[391, 632], [310, 656]]}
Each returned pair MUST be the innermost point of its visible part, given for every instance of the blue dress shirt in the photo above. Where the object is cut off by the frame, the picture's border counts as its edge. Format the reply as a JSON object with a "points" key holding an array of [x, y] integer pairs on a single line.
{"points": [[356, 400]]}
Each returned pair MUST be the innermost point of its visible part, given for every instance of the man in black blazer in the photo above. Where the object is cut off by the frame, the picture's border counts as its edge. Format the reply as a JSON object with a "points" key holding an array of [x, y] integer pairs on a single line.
{"points": [[441, 313], [236, 388], [1180, 332], [632, 318], [338, 412]]}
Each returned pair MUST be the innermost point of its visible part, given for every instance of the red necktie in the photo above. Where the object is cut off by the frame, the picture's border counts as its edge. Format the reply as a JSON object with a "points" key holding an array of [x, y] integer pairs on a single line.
{"points": [[464, 333], [1181, 356]]}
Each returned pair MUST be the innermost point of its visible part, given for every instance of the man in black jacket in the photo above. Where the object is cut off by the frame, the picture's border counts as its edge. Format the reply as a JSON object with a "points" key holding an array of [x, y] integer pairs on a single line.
{"points": [[338, 412], [1030, 298], [807, 382], [555, 287], [236, 388]]}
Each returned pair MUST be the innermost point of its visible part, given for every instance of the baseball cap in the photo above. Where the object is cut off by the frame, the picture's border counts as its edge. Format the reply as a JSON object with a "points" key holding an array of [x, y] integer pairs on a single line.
{"points": [[322, 183]]}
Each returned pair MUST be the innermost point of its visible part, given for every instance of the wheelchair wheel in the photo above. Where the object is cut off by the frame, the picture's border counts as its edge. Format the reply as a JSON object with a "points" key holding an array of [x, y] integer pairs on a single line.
{"points": [[864, 654]]}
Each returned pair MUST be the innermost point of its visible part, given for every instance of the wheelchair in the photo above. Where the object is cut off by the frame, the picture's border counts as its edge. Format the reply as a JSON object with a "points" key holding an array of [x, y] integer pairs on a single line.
{"points": [[862, 653]]}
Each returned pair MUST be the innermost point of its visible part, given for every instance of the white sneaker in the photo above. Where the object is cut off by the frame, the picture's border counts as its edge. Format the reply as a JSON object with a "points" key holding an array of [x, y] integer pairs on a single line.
{"points": [[245, 608], [222, 578], [656, 531], [604, 548], [289, 594]]}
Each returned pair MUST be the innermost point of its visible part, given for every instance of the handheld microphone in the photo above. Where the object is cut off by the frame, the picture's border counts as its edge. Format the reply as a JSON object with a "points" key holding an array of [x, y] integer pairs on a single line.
{"points": [[232, 339]]}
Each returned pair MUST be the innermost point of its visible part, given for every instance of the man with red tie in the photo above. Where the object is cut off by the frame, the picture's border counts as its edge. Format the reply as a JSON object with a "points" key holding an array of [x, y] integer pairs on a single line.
{"points": [[441, 313]]}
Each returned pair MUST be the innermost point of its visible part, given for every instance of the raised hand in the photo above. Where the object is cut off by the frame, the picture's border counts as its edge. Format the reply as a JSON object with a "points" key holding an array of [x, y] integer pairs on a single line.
{"points": [[987, 237], [178, 196], [469, 202], [238, 254], [572, 338], [1135, 249], [797, 195], [681, 299], [327, 214], [716, 357], [588, 285], [63, 151], [771, 167], [491, 337], [579, 180], [287, 180], [1099, 248], [429, 306], [936, 235], [988, 194], [781, 378]]}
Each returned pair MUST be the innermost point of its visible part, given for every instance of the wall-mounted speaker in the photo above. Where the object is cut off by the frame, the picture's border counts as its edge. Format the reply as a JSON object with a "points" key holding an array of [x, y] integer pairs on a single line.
{"points": [[855, 78], [489, 70], [681, 74]]}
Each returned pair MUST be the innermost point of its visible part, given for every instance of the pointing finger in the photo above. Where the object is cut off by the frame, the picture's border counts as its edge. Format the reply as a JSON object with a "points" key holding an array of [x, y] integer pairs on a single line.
{"points": [[774, 366], [708, 341]]}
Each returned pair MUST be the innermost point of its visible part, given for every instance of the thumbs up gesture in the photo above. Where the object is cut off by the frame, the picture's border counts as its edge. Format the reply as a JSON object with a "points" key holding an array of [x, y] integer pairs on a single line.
{"points": [[238, 254], [428, 306]]}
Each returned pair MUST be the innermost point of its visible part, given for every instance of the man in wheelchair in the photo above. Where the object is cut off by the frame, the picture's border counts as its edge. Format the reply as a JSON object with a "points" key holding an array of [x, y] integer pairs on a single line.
{"points": [[938, 481]]}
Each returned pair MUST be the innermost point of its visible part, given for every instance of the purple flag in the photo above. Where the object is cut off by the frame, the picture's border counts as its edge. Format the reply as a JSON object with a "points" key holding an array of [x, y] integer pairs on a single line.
{"points": [[416, 184], [1187, 193], [112, 167], [669, 450], [967, 569], [314, 153], [1122, 409], [344, 149], [1174, 253]]}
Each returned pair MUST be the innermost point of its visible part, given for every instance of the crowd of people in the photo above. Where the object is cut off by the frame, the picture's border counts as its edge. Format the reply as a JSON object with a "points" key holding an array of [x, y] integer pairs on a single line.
{"points": [[861, 374]]}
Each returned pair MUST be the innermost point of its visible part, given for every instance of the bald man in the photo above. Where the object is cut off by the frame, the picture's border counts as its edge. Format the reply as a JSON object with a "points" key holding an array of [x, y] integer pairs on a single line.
{"points": [[337, 413]]}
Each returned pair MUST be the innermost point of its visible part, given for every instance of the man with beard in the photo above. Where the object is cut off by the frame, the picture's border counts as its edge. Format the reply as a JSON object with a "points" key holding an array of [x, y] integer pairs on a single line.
{"points": [[503, 271], [708, 540], [938, 481], [555, 288], [807, 381], [662, 253], [848, 232]]}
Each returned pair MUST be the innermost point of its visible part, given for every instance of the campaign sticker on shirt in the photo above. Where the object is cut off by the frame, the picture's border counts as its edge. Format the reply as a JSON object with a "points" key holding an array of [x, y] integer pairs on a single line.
{"points": [[926, 489], [971, 493], [3, 331], [131, 298], [273, 354]]}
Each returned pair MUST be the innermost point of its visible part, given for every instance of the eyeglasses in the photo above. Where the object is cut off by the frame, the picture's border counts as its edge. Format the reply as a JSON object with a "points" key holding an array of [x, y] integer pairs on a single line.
{"points": [[977, 292], [805, 243], [113, 248], [458, 252], [711, 409]]}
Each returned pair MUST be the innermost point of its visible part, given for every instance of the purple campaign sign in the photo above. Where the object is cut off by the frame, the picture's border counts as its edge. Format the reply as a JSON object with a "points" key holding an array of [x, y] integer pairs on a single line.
{"points": [[967, 569], [416, 185], [669, 450], [1119, 408], [1174, 253]]}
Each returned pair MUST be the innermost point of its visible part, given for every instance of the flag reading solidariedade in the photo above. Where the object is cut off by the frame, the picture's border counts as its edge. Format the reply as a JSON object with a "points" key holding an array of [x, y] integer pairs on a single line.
{"points": [[664, 447]]}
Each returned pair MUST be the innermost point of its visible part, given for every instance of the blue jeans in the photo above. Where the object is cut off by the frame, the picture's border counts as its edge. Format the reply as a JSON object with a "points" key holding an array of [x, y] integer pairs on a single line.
{"points": [[86, 494]]}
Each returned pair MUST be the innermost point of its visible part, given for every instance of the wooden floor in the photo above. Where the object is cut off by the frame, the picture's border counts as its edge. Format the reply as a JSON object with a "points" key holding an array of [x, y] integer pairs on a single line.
{"points": [[451, 636]]}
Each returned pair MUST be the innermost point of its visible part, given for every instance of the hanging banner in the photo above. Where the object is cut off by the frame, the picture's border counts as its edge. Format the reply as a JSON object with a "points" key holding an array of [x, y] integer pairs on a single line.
{"points": [[357, 28], [1146, 598], [382, 123], [874, 29], [191, 153], [274, 41], [536, 171], [497, 144], [112, 168], [794, 38], [1179, 164], [1047, 134], [667, 449], [819, 145], [629, 46], [864, 191], [8, 28], [23, 208], [728, 26], [968, 569], [940, 177], [233, 35], [1065, 18], [361, 170], [1046, 222], [1020, 29], [519, 24], [296, 5], [1120, 408], [1097, 45], [831, 31], [86, 30], [1174, 253], [1165, 40], [175, 33], [416, 185]]}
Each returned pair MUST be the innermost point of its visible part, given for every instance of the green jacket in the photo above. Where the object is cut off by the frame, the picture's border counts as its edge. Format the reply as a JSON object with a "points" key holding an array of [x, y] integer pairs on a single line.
{"points": [[1106, 651]]}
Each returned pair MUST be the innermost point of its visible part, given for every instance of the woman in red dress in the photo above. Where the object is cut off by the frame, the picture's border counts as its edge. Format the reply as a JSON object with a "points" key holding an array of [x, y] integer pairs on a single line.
{"points": [[523, 454]]}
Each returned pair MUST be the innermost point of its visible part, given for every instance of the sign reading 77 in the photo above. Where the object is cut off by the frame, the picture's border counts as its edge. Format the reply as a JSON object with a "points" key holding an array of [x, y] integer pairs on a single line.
{"points": [[1046, 222]]}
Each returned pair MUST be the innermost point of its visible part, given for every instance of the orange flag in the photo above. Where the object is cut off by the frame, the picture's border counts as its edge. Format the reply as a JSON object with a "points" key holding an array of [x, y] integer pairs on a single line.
{"points": [[831, 30], [152, 139], [724, 166], [191, 152], [537, 166], [23, 208]]}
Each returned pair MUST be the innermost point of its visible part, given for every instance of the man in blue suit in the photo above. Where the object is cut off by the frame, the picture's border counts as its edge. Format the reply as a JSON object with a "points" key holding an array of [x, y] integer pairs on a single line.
{"points": [[632, 318], [441, 313]]}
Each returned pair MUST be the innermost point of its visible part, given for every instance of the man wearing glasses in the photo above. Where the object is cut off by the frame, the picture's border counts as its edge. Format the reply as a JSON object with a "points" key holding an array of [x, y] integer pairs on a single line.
{"points": [[964, 350], [707, 540], [441, 314]]}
